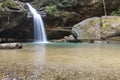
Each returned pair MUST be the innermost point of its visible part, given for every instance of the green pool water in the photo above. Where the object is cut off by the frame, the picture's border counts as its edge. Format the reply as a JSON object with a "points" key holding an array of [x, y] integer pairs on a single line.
{"points": [[74, 53]]}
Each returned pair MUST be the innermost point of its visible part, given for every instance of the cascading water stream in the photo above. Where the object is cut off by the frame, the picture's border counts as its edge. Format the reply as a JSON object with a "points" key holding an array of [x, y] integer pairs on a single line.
{"points": [[39, 31], [104, 5]]}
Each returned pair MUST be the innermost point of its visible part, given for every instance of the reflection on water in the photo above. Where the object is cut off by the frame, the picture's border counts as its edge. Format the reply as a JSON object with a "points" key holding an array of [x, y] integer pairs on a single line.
{"points": [[39, 54], [63, 53]]}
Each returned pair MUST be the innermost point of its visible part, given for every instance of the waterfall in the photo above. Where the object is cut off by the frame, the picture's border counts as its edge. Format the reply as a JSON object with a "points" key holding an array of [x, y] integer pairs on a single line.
{"points": [[39, 31], [104, 5]]}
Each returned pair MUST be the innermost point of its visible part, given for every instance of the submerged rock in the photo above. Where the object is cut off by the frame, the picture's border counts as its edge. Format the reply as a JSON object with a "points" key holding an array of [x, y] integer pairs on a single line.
{"points": [[106, 27]]}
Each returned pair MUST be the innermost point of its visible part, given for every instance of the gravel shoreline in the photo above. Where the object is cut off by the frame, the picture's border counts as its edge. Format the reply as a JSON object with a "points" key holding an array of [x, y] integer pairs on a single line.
{"points": [[55, 71]]}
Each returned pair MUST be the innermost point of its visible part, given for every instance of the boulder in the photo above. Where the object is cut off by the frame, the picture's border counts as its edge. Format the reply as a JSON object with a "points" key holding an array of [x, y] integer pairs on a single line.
{"points": [[98, 28], [10, 46], [87, 29], [110, 27]]}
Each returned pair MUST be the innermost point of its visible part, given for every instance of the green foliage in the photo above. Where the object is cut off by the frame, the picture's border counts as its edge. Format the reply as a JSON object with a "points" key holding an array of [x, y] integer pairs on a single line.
{"points": [[55, 8], [52, 10], [58, 3], [66, 3], [41, 3], [7, 3], [1, 5], [116, 12]]}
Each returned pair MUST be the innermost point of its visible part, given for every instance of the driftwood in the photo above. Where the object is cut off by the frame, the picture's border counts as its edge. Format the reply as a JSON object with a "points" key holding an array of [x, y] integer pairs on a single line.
{"points": [[10, 46]]}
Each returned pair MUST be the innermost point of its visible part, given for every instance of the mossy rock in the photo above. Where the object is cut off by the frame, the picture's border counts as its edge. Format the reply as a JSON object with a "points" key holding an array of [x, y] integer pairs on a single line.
{"points": [[88, 29], [106, 27], [110, 25]]}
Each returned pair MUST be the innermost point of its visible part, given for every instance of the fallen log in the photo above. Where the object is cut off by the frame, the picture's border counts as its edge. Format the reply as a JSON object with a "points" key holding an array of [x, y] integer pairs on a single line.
{"points": [[10, 46]]}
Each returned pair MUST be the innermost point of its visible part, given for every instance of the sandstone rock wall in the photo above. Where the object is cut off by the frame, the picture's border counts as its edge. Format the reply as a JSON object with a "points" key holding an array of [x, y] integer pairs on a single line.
{"points": [[11, 16], [75, 11], [65, 14], [13, 21]]}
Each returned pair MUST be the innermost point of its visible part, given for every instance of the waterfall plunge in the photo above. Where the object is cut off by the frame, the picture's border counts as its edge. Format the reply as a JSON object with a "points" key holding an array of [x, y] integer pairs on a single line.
{"points": [[39, 31]]}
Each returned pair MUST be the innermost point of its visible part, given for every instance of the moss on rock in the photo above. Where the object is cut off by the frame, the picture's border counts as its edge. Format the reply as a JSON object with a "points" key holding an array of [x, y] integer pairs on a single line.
{"points": [[110, 25], [106, 27], [88, 29]]}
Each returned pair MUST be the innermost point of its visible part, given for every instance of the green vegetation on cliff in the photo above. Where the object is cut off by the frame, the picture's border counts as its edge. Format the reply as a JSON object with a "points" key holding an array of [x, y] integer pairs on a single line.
{"points": [[7, 4], [59, 3], [54, 6], [52, 10], [66, 13], [60, 11], [116, 12]]}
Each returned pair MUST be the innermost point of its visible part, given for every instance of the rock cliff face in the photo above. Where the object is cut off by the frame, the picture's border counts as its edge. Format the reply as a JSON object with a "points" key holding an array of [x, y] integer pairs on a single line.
{"points": [[13, 20], [11, 15], [67, 13], [106, 27], [61, 15]]}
